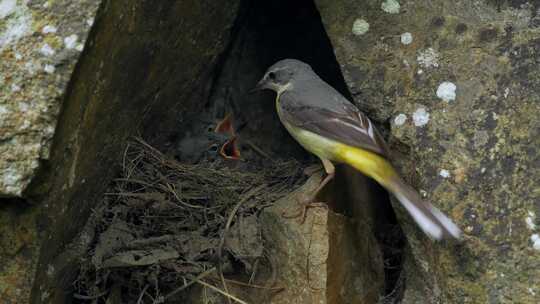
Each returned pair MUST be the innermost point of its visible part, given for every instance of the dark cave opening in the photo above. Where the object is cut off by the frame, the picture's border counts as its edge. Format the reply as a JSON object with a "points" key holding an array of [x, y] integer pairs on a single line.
{"points": [[265, 33]]}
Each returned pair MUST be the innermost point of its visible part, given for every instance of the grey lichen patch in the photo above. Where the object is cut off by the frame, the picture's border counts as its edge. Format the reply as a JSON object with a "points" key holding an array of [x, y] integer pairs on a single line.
{"points": [[40, 41], [15, 22], [360, 27], [390, 6], [428, 58]]}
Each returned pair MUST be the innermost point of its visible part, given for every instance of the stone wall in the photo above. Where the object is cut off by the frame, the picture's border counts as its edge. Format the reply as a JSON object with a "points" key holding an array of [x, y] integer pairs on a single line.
{"points": [[458, 83]]}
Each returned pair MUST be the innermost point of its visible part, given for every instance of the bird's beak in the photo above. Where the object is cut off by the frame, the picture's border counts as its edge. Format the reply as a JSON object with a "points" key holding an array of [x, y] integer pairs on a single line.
{"points": [[261, 85]]}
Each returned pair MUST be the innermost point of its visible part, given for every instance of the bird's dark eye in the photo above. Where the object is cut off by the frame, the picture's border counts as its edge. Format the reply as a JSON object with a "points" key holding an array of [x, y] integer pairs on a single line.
{"points": [[272, 75], [213, 148]]}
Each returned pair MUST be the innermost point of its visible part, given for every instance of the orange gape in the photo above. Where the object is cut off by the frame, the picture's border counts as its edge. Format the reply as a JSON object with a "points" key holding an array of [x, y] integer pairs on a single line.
{"points": [[229, 150]]}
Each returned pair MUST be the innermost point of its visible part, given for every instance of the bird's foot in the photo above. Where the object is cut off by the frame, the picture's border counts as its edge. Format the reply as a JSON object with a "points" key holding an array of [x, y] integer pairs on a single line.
{"points": [[304, 203]]}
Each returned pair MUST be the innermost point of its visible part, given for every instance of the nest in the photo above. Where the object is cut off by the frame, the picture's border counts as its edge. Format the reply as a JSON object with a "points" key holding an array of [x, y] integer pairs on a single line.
{"points": [[165, 227]]}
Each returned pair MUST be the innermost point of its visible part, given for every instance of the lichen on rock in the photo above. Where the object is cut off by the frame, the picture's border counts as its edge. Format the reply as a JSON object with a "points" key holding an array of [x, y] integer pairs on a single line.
{"points": [[35, 67], [473, 156]]}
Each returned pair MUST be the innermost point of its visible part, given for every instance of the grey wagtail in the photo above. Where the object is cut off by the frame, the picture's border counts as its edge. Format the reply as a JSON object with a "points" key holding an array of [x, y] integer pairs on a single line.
{"points": [[326, 124]]}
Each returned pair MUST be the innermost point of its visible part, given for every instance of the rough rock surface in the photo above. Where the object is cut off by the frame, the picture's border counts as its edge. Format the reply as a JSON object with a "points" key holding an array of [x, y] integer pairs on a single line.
{"points": [[147, 65], [461, 92], [40, 42], [319, 260], [18, 251]]}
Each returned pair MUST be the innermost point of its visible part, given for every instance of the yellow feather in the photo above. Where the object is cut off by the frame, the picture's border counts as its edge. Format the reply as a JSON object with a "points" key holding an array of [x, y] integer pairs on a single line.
{"points": [[369, 163]]}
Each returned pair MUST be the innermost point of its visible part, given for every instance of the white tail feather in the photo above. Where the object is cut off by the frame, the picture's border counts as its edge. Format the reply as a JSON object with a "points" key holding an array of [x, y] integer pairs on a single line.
{"points": [[446, 222], [430, 219], [431, 228]]}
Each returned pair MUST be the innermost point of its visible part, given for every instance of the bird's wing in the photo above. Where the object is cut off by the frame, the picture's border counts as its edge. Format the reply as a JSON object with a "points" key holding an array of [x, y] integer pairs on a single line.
{"points": [[342, 122]]}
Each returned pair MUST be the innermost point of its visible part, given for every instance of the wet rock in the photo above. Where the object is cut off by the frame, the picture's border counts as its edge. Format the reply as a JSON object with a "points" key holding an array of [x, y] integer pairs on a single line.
{"points": [[485, 139]]}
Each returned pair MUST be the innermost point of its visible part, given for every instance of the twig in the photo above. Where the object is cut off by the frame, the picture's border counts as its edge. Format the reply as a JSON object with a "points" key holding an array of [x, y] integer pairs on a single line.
{"points": [[186, 285], [142, 294], [171, 189], [223, 282], [255, 286], [254, 272], [228, 295]]}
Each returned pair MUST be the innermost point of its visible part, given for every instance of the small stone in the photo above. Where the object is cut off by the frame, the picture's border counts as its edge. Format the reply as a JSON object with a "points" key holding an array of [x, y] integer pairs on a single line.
{"points": [[18, 56], [400, 119], [446, 91], [420, 117], [47, 50], [90, 21], [70, 42], [360, 27], [406, 38], [49, 68], [390, 6], [79, 47]]}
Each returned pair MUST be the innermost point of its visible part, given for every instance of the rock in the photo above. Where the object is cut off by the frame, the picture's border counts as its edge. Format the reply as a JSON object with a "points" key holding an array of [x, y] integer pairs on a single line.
{"points": [[146, 68], [35, 68], [319, 260], [18, 248], [485, 139], [40, 43]]}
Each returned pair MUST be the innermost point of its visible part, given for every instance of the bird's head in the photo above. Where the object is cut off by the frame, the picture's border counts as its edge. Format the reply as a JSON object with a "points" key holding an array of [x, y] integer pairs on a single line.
{"points": [[282, 75]]}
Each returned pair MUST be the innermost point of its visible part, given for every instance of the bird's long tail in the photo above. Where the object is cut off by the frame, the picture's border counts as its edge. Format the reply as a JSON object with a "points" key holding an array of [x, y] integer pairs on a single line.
{"points": [[432, 221]]}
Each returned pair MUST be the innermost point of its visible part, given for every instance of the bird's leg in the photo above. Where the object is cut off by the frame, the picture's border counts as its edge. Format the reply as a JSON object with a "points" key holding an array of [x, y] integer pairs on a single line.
{"points": [[308, 201]]}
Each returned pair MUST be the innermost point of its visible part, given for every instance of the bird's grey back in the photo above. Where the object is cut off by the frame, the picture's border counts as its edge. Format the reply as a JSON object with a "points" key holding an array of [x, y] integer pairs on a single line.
{"points": [[310, 90]]}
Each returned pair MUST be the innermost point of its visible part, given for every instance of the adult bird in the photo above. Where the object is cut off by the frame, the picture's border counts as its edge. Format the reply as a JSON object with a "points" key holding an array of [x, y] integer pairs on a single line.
{"points": [[326, 124]]}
